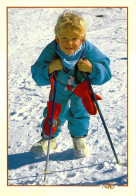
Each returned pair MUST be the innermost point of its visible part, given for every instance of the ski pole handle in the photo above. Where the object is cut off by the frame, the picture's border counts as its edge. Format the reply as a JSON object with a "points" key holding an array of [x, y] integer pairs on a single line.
{"points": [[55, 75]]}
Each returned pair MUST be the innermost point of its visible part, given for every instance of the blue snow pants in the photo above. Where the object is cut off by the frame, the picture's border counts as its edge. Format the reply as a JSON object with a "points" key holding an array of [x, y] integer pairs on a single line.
{"points": [[72, 110]]}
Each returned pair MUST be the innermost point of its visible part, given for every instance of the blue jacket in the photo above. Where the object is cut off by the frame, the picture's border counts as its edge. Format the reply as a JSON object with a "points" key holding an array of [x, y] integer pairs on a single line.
{"points": [[100, 73]]}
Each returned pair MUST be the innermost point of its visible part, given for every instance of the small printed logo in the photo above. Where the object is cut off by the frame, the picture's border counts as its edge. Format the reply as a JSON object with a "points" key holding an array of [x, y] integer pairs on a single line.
{"points": [[110, 185], [54, 124]]}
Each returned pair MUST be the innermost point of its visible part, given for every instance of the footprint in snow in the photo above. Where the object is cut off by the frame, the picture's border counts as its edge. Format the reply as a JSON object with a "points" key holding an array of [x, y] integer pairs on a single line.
{"points": [[100, 166], [71, 175]]}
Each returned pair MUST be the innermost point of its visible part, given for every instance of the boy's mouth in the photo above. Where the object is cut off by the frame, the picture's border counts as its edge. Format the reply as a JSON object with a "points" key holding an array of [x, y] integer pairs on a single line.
{"points": [[68, 48]]}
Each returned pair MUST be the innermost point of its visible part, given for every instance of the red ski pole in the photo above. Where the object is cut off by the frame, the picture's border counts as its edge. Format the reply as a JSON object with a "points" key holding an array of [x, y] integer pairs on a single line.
{"points": [[51, 125]]}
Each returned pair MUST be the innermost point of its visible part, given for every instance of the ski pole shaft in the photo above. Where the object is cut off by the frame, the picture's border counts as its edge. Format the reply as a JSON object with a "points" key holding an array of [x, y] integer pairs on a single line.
{"points": [[50, 132], [102, 119]]}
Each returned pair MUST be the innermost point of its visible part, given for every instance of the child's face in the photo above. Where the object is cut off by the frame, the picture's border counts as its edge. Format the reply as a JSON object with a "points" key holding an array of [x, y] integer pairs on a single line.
{"points": [[69, 41]]}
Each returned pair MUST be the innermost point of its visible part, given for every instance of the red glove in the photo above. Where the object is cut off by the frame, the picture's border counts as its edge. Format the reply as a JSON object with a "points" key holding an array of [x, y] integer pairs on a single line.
{"points": [[46, 124], [83, 91]]}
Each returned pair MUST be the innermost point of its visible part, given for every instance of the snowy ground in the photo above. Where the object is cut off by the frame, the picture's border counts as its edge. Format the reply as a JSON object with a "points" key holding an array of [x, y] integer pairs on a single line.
{"points": [[29, 31]]}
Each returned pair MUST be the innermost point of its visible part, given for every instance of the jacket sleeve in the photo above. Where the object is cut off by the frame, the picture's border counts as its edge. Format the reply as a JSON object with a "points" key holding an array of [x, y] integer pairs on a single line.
{"points": [[40, 68], [101, 72]]}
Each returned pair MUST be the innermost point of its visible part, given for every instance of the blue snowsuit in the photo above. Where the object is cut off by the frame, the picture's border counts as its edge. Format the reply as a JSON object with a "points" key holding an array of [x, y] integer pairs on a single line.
{"points": [[72, 108]]}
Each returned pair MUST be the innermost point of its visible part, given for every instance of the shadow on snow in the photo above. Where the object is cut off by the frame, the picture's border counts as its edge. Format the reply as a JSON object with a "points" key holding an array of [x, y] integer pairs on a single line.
{"points": [[116, 181], [21, 159], [16, 161]]}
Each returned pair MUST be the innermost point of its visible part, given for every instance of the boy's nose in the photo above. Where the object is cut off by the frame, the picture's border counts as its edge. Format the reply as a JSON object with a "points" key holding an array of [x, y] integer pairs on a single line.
{"points": [[70, 43]]}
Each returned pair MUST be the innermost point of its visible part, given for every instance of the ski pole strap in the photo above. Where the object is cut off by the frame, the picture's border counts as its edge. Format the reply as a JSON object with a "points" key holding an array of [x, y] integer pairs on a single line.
{"points": [[52, 79], [75, 75]]}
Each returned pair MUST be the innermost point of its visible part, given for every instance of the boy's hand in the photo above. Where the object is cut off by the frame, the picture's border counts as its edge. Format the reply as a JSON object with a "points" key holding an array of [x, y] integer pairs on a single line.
{"points": [[84, 65], [55, 65]]}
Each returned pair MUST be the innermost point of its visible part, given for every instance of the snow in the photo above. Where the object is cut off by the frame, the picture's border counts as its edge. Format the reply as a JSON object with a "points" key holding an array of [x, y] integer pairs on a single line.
{"points": [[29, 31]]}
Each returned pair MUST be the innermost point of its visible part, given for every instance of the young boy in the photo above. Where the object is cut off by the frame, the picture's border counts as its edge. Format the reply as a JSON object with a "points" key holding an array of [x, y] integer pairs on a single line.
{"points": [[69, 51]]}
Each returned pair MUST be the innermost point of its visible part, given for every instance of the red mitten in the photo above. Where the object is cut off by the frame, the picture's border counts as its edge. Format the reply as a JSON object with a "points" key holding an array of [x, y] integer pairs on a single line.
{"points": [[46, 124], [83, 91]]}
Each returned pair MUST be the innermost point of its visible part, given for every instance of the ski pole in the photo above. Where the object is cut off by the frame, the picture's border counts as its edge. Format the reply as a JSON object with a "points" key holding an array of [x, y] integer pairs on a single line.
{"points": [[51, 124], [101, 116]]}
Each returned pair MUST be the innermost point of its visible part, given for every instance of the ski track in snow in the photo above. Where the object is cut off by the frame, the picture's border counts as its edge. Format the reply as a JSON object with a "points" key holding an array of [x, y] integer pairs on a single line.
{"points": [[30, 30]]}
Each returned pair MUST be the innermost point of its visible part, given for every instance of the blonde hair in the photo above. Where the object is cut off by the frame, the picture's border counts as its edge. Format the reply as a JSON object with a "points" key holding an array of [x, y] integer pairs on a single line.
{"points": [[70, 20]]}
